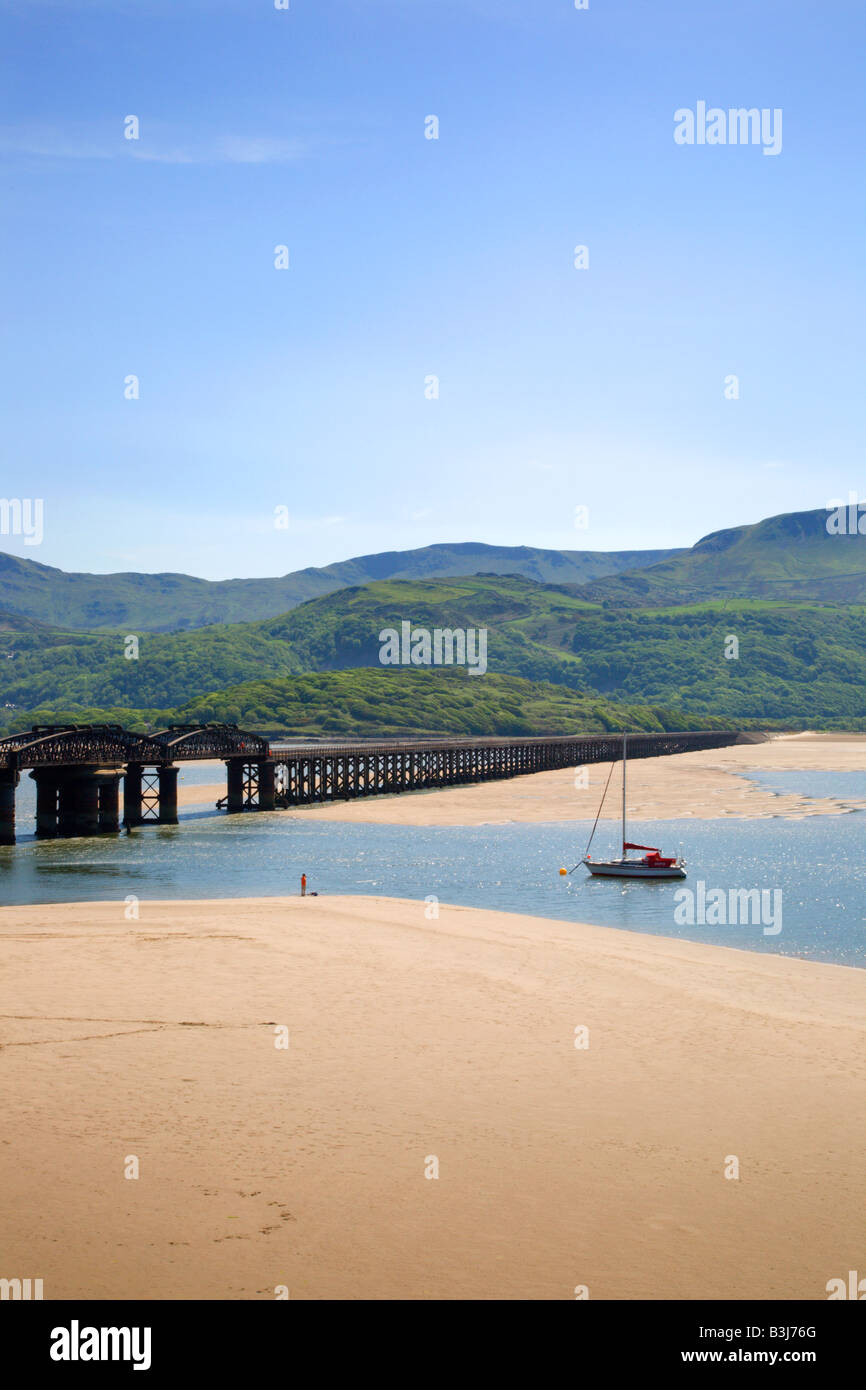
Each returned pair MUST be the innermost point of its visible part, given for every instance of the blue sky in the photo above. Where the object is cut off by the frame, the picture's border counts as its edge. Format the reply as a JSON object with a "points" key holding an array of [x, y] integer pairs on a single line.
{"points": [[559, 388]]}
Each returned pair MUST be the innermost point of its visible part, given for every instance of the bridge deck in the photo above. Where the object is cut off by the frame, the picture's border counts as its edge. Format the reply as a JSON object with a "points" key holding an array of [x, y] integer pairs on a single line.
{"points": [[708, 738]]}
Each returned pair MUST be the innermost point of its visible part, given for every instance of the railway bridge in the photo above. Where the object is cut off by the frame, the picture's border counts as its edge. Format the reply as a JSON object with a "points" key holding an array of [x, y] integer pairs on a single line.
{"points": [[78, 769]]}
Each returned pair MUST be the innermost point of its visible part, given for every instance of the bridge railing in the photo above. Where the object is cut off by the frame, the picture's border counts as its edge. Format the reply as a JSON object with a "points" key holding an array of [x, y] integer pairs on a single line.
{"points": [[709, 738]]}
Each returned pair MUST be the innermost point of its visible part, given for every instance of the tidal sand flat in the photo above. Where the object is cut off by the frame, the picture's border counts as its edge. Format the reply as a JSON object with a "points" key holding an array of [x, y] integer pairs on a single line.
{"points": [[418, 1046], [703, 784]]}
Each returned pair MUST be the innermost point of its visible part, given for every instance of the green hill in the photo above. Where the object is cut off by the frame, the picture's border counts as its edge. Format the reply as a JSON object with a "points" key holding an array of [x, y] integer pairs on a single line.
{"points": [[170, 602], [41, 666], [791, 557], [796, 662], [529, 625], [381, 703]]}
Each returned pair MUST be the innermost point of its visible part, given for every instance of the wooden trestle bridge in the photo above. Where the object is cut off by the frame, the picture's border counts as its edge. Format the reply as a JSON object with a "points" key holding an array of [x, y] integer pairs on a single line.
{"points": [[78, 769]]}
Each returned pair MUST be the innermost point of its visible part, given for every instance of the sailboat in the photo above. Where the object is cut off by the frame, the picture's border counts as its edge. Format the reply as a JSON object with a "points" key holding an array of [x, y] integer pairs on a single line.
{"points": [[651, 865]]}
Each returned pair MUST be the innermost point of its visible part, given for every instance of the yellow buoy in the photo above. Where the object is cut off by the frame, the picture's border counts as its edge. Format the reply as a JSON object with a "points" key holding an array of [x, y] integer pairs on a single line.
{"points": [[563, 871]]}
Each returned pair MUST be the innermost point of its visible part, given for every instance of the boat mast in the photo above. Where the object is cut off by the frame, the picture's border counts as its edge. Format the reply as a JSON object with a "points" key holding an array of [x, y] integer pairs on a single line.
{"points": [[624, 737]]}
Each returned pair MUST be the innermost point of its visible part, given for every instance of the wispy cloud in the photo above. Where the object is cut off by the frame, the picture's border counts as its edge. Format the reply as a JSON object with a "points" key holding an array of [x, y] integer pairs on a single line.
{"points": [[91, 142], [46, 142], [261, 149]]}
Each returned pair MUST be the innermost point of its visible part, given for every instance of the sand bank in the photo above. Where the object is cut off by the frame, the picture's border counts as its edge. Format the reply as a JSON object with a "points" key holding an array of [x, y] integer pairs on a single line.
{"points": [[412, 1039], [702, 784]]}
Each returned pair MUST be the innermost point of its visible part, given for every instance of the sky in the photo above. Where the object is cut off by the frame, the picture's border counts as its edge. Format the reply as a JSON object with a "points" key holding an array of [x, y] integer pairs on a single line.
{"points": [[289, 417]]}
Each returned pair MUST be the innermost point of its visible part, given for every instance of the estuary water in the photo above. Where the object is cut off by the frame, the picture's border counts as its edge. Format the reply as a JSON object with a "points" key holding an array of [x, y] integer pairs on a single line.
{"points": [[817, 865], [847, 786]]}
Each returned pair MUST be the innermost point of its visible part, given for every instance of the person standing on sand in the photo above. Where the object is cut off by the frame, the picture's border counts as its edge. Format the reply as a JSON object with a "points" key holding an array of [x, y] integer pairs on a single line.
{"points": [[303, 885]]}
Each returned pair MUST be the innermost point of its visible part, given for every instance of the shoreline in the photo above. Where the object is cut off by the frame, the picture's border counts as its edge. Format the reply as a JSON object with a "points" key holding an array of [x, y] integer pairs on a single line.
{"points": [[181, 905], [411, 1038], [327, 897]]}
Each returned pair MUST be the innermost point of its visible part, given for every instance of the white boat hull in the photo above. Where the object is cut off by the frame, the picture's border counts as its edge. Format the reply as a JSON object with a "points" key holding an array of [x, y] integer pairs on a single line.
{"points": [[624, 868]]}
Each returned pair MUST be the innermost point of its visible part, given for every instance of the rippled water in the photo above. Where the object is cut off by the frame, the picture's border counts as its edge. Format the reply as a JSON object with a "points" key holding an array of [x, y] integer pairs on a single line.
{"points": [[818, 864], [848, 786]]}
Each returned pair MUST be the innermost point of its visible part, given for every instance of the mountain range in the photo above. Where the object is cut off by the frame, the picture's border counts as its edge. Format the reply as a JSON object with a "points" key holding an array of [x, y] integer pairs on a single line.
{"points": [[170, 602], [653, 640], [783, 557]]}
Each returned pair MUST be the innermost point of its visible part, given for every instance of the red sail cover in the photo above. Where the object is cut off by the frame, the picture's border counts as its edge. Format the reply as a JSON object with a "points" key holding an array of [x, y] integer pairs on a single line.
{"points": [[652, 848]]}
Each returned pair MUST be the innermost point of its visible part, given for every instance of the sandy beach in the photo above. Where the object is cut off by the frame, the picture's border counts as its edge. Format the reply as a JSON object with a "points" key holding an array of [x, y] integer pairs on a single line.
{"points": [[703, 784], [412, 1039]]}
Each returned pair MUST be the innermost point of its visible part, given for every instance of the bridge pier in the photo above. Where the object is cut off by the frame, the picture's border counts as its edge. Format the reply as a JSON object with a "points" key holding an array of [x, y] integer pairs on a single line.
{"points": [[8, 783], [79, 804], [75, 802], [168, 794], [66, 825], [47, 793], [251, 785], [267, 785], [151, 791], [109, 799], [132, 794], [234, 786]]}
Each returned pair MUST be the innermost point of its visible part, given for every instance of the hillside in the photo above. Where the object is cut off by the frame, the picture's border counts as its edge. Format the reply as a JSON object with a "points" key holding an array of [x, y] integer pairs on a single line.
{"points": [[46, 666], [380, 704], [800, 662], [796, 661], [171, 602], [787, 558], [529, 625], [790, 557]]}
